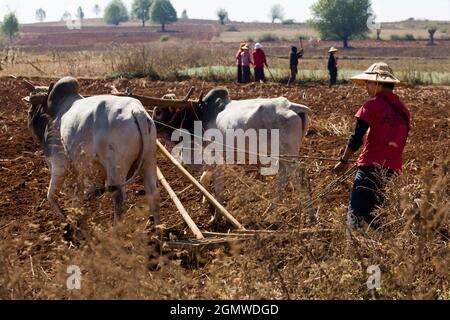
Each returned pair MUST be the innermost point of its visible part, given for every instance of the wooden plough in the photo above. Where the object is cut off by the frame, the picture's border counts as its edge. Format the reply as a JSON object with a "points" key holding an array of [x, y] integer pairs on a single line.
{"points": [[210, 240]]}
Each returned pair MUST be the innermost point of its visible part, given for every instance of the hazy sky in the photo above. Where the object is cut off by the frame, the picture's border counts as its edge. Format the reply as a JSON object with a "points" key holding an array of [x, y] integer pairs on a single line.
{"points": [[238, 10]]}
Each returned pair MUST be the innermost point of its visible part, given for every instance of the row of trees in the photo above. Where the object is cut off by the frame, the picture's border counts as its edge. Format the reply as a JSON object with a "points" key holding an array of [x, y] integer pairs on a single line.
{"points": [[276, 13], [333, 19], [349, 19], [336, 19], [158, 11], [41, 15]]}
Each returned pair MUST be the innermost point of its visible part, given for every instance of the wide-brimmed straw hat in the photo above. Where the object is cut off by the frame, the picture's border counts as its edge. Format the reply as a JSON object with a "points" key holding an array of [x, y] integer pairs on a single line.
{"points": [[333, 49], [258, 45], [378, 72]]}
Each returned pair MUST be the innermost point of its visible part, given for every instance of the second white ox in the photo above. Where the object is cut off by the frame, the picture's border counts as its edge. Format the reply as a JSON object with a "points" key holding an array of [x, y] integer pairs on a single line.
{"points": [[218, 111], [109, 140]]}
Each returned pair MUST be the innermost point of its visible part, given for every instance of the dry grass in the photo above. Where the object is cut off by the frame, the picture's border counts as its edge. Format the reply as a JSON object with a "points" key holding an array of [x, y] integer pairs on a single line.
{"points": [[411, 249], [182, 60]]}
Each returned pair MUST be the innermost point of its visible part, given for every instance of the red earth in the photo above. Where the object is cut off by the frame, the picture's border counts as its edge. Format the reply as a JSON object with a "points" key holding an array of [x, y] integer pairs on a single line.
{"points": [[24, 177]]}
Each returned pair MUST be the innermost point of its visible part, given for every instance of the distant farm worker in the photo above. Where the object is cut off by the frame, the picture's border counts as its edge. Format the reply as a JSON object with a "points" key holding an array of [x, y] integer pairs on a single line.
{"points": [[293, 64], [388, 122], [246, 58], [332, 66], [259, 61], [238, 59]]}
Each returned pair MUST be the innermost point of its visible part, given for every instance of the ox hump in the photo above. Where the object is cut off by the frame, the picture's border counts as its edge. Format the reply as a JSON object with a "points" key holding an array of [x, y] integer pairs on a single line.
{"points": [[63, 89]]}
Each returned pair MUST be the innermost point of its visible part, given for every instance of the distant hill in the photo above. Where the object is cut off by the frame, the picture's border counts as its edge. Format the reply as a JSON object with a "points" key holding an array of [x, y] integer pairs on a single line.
{"points": [[95, 32]]}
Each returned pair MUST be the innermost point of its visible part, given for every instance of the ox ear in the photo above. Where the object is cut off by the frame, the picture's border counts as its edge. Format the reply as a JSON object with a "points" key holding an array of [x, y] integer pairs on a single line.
{"points": [[26, 99]]}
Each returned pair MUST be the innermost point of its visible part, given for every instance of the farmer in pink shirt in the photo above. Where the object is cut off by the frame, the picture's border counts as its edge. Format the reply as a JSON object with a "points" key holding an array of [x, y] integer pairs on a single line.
{"points": [[246, 59], [387, 122], [238, 59]]}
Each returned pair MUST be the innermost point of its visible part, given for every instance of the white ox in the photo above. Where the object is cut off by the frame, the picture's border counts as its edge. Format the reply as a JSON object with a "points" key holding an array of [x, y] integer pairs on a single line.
{"points": [[218, 111], [108, 140]]}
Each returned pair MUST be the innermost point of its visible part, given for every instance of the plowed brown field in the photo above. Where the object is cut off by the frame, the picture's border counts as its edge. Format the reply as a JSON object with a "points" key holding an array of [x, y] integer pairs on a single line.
{"points": [[25, 215]]}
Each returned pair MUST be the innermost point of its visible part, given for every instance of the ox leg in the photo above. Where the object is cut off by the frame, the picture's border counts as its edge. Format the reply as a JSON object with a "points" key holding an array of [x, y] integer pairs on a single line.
{"points": [[114, 181], [283, 177], [287, 166], [57, 178], [119, 203], [152, 194]]}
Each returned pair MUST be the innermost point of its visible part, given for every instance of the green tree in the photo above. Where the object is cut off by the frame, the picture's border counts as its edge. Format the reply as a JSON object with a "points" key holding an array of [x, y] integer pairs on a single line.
{"points": [[276, 13], [341, 19], [140, 10], [223, 16], [115, 13], [10, 26], [80, 13], [163, 12], [40, 15]]}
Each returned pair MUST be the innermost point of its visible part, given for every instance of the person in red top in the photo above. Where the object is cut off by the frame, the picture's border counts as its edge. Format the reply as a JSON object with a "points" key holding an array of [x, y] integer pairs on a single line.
{"points": [[387, 122], [259, 61]]}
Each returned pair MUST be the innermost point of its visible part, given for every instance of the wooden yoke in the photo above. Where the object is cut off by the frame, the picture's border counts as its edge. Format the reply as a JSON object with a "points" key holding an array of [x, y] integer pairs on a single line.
{"points": [[41, 98]]}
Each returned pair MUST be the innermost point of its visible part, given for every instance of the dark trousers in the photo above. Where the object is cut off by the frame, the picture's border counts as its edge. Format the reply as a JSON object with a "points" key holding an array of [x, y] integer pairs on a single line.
{"points": [[293, 77], [367, 195], [259, 74], [239, 74], [333, 77], [246, 74]]}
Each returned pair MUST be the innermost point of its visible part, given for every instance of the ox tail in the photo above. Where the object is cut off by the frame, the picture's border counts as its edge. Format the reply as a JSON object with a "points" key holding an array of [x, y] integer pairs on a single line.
{"points": [[303, 112], [144, 132]]}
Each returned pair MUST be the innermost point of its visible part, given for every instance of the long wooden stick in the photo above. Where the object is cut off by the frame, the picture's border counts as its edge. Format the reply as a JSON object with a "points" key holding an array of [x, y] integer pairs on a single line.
{"points": [[186, 217], [202, 189]]}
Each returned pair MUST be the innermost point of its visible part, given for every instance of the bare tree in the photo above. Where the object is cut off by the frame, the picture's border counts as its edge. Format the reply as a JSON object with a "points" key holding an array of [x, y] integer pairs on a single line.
{"points": [[431, 31], [80, 13], [97, 10], [276, 13], [379, 33], [223, 16], [40, 15]]}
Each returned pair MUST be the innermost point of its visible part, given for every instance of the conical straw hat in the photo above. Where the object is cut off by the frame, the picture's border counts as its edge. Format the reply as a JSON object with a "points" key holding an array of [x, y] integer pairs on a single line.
{"points": [[378, 72], [333, 49]]}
